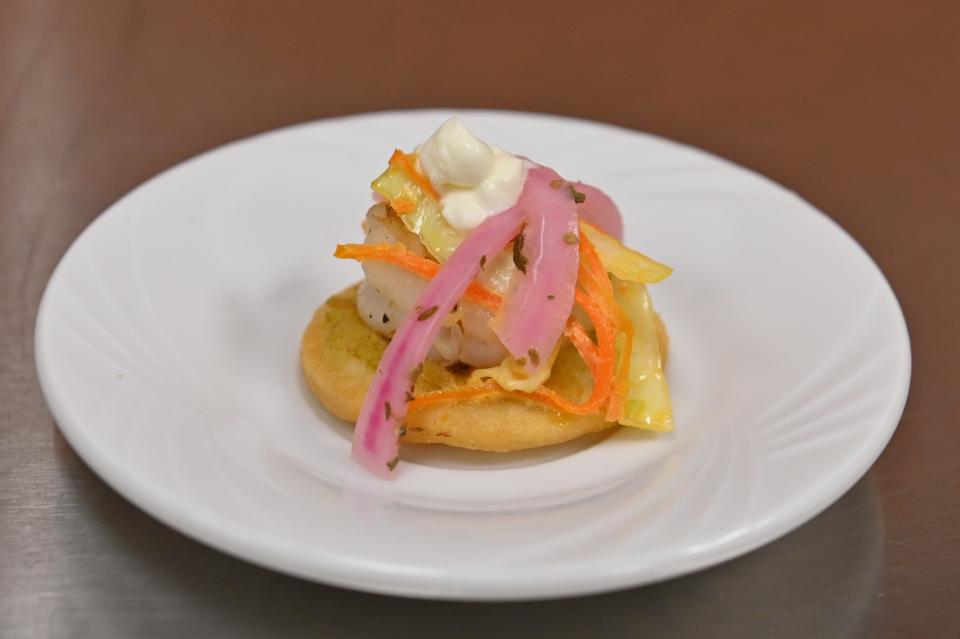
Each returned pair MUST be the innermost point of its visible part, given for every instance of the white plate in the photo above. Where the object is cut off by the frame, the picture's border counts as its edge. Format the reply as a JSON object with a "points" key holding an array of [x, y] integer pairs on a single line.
{"points": [[167, 346]]}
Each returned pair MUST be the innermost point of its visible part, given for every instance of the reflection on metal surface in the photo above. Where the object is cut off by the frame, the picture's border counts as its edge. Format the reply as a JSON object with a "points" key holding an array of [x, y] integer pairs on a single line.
{"points": [[818, 581]]}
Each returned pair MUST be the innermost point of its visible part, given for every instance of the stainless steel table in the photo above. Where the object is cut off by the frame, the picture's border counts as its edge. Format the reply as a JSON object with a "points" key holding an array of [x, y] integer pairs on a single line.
{"points": [[854, 105]]}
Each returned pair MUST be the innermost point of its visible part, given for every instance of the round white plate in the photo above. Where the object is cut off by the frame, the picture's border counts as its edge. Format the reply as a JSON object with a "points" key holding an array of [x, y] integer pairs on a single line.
{"points": [[167, 347]]}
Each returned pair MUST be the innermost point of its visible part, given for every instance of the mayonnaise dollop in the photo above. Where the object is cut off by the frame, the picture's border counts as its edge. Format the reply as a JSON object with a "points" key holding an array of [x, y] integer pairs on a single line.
{"points": [[474, 180]]}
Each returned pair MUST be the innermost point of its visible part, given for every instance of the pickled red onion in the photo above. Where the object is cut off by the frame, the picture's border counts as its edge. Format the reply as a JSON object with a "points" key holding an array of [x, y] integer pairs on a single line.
{"points": [[535, 313], [600, 211], [375, 440]]}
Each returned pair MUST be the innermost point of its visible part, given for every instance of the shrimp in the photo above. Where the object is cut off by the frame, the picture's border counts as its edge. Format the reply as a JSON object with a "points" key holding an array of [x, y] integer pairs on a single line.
{"points": [[387, 293]]}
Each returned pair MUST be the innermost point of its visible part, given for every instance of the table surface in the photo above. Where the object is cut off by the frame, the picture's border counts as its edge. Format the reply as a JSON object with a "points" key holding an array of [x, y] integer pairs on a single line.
{"points": [[853, 105]]}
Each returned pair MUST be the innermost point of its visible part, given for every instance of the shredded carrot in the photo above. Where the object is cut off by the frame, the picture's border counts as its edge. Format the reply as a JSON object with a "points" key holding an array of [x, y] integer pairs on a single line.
{"points": [[603, 373], [594, 295], [600, 358], [402, 205], [621, 385], [602, 370], [399, 255], [405, 162], [457, 395], [596, 274], [578, 336], [594, 271]]}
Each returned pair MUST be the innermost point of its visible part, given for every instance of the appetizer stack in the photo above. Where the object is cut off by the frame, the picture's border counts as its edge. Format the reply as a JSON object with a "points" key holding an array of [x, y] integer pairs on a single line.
{"points": [[499, 310]]}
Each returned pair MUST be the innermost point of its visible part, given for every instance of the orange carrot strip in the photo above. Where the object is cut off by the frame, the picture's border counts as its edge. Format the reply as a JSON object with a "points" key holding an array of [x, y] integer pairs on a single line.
{"points": [[622, 384], [578, 336], [596, 273], [598, 277], [399, 255], [585, 347], [458, 395], [402, 205], [403, 160], [595, 285], [602, 372], [600, 359]]}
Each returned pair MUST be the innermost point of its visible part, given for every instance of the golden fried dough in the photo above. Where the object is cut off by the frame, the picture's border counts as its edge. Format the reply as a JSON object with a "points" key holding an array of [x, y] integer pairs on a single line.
{"points": [[339, 354]]}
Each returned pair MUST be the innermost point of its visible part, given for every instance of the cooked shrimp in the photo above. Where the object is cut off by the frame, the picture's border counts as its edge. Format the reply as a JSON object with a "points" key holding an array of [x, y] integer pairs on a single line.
{"points": [[387, 293]]}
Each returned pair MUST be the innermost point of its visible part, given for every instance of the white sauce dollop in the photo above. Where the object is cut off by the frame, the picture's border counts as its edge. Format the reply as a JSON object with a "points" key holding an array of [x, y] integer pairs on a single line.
{"points": [[474, 180]]}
